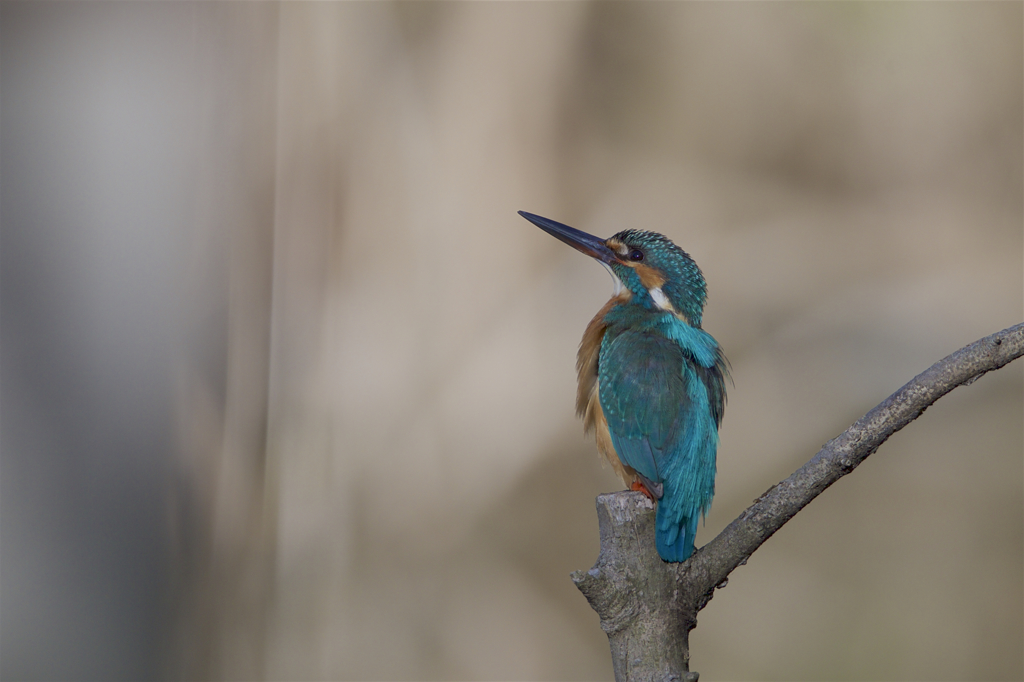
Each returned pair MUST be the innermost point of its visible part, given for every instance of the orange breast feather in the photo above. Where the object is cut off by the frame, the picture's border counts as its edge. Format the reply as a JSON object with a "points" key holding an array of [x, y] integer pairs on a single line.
{"points": [[588, 403]]}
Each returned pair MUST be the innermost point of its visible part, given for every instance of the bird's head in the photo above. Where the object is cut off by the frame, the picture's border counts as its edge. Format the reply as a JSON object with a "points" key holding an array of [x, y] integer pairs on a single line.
{"points": [[658, 274]]}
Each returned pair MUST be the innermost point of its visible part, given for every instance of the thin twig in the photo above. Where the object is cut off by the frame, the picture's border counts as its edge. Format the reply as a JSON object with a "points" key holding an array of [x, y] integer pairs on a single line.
{"points": [[844, 453]]}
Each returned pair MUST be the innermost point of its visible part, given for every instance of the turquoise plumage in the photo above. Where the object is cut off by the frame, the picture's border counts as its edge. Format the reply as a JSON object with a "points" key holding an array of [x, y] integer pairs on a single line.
{"points": [[651, 381]]}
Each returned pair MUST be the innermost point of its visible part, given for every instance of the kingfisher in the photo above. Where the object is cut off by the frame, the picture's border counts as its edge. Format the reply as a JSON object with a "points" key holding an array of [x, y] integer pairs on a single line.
{"points": [[651, 381]]}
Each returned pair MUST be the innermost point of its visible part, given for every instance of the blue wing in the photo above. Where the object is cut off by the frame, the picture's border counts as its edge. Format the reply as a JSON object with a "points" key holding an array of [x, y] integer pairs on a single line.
{"points": [[644, 398], [663, 409]]}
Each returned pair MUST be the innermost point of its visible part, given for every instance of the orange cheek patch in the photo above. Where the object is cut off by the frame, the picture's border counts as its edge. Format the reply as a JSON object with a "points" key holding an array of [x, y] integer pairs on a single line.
{"points": [[649, 277]]}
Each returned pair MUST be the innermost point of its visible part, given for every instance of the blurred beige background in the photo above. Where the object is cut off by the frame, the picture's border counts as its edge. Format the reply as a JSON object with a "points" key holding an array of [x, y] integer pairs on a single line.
{"points": [[288, 385]]}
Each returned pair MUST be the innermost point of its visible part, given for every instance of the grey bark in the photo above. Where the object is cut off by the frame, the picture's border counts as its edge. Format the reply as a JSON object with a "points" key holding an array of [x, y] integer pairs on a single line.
{"points": [[648, 607]]}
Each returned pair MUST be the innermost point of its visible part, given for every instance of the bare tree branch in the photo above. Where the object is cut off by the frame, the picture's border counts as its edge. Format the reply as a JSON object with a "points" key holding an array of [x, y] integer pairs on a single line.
{"points": [[648, 607]]}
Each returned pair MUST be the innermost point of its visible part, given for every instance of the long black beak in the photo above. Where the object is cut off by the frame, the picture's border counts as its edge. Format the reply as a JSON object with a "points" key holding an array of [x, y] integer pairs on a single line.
{"points": [[577, 239]]}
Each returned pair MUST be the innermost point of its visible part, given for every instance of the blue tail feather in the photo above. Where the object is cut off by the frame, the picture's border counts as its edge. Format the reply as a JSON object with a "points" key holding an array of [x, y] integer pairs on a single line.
{"points": [[674, 542]]}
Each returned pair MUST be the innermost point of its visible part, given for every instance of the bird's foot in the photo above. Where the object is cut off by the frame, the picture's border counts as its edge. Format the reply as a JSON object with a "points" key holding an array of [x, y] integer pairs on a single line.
{"points": [[639, 487]]}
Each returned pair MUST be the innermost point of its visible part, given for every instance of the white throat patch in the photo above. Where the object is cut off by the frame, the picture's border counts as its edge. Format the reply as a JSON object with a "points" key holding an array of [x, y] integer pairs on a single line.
{"points": [[661, 300], [618, 282]]}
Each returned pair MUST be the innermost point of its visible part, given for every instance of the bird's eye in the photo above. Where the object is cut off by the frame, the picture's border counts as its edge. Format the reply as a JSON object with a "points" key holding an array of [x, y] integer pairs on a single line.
{"points": [[636, 255]]}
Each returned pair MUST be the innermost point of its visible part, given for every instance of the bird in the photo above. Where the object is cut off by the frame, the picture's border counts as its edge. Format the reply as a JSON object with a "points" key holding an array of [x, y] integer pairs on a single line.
{"points": [[651, 381]]}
